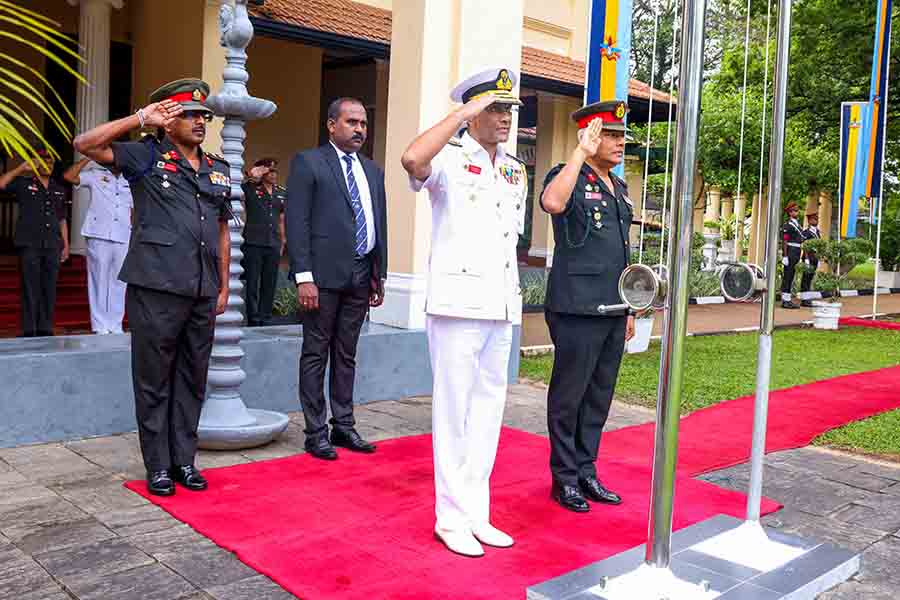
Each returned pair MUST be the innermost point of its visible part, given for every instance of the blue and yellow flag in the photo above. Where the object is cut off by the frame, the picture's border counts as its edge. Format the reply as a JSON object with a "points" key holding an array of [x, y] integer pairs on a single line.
{"points": [[609, 52], [851, 130], [866, 181]]}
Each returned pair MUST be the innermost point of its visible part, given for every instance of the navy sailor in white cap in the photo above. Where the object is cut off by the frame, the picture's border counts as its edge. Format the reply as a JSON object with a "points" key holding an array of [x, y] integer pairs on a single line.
{"points": [[478, 195]]}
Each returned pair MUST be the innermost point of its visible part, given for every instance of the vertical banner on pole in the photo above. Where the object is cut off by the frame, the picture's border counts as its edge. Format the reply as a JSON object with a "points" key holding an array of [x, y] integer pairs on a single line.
{"points": [[851, 126], [867, 169], [609, 53]]}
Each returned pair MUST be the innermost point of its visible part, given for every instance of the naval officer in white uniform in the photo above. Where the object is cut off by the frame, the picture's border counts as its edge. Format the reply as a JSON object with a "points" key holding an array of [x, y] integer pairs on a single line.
{"points": [[107, 230], [478, 194]]}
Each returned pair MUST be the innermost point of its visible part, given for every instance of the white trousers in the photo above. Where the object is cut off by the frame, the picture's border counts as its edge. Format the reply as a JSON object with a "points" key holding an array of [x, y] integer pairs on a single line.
{"points": [[469, 359], [105, 292]]}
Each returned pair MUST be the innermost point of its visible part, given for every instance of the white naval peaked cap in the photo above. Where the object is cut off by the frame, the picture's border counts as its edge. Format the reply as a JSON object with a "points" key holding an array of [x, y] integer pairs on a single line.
{"points": [[497, 80]]}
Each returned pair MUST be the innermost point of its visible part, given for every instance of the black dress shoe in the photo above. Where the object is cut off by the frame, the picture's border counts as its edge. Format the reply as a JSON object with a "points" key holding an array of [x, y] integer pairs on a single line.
{"points": [[351, 441], [594, 490], [189, 477], [569, 496], [789, 305], [320, 448], [806, 303], [159, 483]]}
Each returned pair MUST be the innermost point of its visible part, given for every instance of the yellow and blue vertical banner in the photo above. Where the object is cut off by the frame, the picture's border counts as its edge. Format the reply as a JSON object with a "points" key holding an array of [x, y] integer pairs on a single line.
{"points": [[866, 162], [851, 130], [609, 52]]}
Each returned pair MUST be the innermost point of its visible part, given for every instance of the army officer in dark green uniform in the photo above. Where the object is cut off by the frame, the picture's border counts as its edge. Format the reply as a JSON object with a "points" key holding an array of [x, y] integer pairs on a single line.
{"points": [[176, 269], [264, 202], [591, 216]]}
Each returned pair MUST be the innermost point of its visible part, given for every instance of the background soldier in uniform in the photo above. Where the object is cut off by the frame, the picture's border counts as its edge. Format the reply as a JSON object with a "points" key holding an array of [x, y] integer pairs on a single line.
{"points": [[263, 246], [810, 260], [792, 242], [106, 229], [176, 270], [591, 221], [478, 194], [42, 238]]}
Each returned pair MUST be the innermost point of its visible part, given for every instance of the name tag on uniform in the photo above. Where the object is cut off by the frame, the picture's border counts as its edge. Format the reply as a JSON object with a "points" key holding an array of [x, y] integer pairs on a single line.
{"points": [[473, 169], [592, 195], [218, 178]]}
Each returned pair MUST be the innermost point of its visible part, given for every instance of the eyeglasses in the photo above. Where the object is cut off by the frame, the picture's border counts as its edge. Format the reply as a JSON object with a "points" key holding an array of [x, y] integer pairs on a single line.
{"points": [[502, 109], [191, 115]]}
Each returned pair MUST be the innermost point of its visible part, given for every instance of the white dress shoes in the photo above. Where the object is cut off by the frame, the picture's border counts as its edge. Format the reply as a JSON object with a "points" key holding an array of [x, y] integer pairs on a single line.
{"points": [[491, 536], [460, 542]]}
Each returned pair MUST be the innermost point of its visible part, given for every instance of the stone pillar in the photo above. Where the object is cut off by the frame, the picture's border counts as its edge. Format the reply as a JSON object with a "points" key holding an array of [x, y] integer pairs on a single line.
{"points": [[713, 203], [634, 178], [812, 206], [710, 234], [92, 103], [758, 221], [727, 208], [225, 422], [825, 208], [434, 45], [556, 138], [382, 82], [740, 211]]}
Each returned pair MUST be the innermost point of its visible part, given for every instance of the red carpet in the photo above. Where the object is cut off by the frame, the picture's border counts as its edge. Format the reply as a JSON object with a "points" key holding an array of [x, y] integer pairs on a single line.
{"points": [[857, 322], [361, 527]]}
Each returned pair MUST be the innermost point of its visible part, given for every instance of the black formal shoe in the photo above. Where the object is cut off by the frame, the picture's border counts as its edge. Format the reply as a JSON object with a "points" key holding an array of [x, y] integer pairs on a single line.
{"points": [[159, 483], [351, 441], [594, 490], [569, 496], [806, 303], [789, 305], [189, 477], [320, 448]]}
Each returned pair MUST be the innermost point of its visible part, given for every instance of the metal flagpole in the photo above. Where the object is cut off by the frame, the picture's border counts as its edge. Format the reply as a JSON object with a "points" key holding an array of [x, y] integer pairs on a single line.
{"points": [[671, 368], [884, 103], [767, 319]]}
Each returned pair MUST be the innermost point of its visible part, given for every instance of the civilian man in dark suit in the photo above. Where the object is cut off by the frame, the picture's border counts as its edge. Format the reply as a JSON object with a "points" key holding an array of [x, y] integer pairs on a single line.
{"points": [[336, 219]]}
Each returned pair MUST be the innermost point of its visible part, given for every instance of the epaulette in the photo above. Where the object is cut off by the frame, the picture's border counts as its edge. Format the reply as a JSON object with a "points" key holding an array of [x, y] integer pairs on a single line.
{"points": [[454, 142], [517, 159], [216, 157], [280, 188]]}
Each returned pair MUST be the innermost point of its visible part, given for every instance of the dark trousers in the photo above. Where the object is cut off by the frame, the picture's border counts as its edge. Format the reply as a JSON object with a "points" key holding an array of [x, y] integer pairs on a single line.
{"points": [[261, 264], [40, 269], [787, 279], [585, 367], [332, 332], [171, 340], [806, 281]]}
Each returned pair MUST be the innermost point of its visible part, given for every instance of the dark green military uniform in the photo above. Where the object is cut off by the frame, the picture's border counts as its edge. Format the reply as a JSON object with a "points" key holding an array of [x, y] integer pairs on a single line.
{"points": [[591, 251], [262, 248], [172, 272], [39, 241]]}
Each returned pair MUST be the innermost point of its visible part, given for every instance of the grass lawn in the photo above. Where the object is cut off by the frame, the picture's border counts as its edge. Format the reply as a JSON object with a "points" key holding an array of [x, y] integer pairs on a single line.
{"points": [[723, 367], [862, 276], [879, 435]]}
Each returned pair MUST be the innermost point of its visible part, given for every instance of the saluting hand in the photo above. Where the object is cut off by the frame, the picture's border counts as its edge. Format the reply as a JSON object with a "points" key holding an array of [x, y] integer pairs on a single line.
{"points": [[473, 108], [589, 141], [259, 172], [160, 114]]}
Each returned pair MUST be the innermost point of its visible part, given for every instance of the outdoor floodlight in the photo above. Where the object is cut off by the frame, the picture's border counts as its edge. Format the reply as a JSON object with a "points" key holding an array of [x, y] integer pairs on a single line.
{"points": [[742, 282], [642, 287]]}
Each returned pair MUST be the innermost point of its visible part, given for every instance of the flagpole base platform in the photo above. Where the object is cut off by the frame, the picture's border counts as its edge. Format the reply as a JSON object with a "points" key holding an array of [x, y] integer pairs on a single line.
{"points": [[722, 558]]}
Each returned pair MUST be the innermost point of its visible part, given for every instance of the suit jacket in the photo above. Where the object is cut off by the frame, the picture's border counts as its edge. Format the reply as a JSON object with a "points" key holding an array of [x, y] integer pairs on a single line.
{"points": [[319, 221]]}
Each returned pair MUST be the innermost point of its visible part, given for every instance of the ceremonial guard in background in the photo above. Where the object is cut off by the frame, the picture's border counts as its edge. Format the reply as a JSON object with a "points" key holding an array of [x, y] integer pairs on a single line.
{"points": [[263, 246], [592, 216], [176, 269], [42, 239], [792, 244], [106, 230], [810, 260], [478, 194]]}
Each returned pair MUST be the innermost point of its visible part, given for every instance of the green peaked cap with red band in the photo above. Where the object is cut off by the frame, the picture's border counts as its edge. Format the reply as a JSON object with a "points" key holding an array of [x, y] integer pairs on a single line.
{"points": [[190, 93]]}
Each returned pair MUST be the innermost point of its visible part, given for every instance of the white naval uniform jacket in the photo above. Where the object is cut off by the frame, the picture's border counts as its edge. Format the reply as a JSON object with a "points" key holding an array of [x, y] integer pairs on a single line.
{"points": [[477, 212], [109, 214]]}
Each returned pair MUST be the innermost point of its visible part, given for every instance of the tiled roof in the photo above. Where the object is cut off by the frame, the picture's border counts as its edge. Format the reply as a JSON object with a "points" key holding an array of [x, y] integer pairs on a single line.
{"points": [[357, 20], [341, 17]]}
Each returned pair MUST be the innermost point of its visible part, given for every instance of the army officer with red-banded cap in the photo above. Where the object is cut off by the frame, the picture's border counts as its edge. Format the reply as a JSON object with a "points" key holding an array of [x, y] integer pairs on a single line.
{"points": [[591, 215], [176, 269]]}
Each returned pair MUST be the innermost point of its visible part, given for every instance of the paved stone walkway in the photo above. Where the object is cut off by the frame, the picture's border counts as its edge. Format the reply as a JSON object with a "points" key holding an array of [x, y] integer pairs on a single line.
{"points": [[69, 530]]}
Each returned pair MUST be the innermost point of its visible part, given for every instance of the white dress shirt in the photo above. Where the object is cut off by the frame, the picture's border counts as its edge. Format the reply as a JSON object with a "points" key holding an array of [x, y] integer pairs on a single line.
{"points": [[109, 214], [365, 198]]}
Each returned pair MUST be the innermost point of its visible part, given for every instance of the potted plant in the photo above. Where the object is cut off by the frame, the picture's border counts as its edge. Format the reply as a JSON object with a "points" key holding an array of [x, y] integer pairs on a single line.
{"points": [[286, 306], [534, 326], [727, 229], [840, 256]]}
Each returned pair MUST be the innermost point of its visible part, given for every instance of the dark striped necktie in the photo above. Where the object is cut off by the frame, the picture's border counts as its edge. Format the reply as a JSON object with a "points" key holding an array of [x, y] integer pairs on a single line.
{"points": [[362, 241]]}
